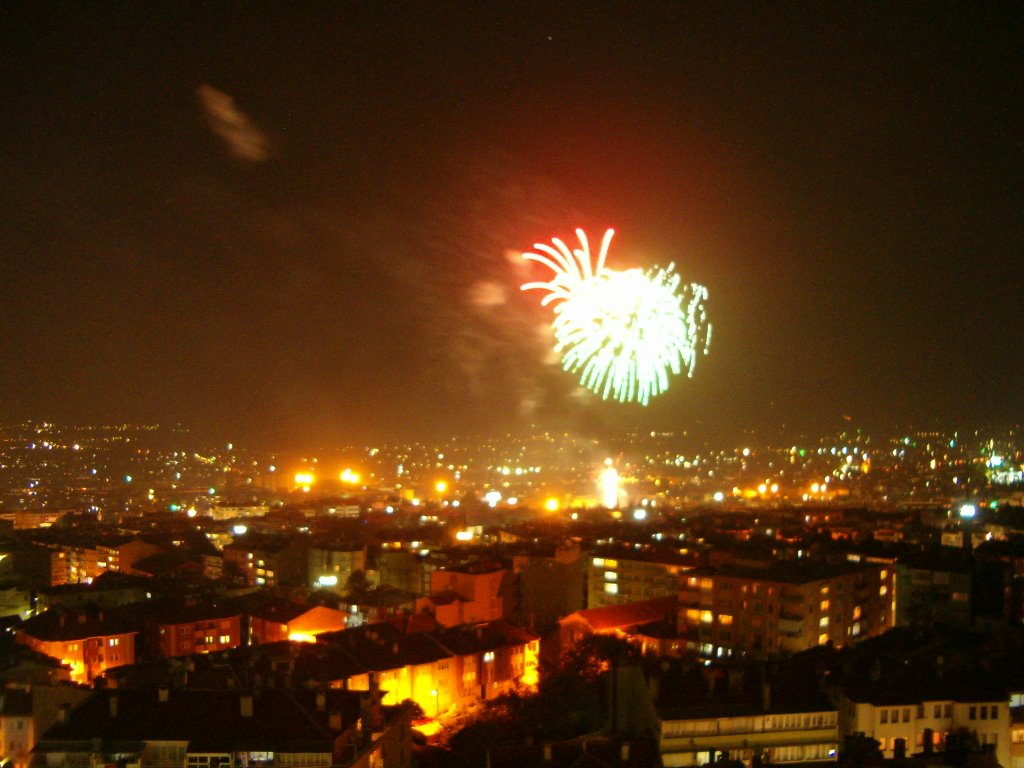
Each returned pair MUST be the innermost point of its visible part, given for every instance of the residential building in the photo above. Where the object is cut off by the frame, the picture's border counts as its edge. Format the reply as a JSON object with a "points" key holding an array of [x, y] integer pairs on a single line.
{"points": [[268, 561], [783, 607], [774, 737], [331, 566], [209, 729], [88, 643], [620, 576], [276, 620], [26, 712]]}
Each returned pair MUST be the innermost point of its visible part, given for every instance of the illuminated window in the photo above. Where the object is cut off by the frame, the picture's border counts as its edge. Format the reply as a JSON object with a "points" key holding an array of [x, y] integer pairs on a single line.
{"points": [[824, 591], [883, 591], [611, 563], [856, 613], [611, 576], [611, 589], [883, 575], [598, 562], [706, 617], [725, 619], [489, 657], [692, 581], [823, 639], [823, 622], [824, 605], [706, 583], [692, 615]]}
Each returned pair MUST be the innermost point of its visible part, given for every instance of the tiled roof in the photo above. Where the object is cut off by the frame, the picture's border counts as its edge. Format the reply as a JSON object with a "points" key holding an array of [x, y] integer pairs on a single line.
{"points": [[281, 721], [626, 615]]}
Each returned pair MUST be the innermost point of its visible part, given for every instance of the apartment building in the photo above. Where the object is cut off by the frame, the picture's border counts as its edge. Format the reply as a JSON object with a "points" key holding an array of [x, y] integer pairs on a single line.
{"points": [[783, 607]]}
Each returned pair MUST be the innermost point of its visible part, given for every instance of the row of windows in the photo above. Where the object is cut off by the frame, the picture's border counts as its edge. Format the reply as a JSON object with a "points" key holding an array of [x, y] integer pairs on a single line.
{"points": [[974, 712]]}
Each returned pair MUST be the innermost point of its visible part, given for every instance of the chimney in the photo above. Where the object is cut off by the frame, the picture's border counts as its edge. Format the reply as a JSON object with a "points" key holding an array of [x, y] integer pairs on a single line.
{"points": [[163, 694], [321, 701], [113, 706], [246, 705]]}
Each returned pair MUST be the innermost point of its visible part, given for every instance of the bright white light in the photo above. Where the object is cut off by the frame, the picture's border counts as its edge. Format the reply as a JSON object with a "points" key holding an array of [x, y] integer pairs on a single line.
{"points": [[463, 535], [719, 496], [327, 581], [640, 514], [608, 486], [492, 498], [968, 510], [239, 530]]}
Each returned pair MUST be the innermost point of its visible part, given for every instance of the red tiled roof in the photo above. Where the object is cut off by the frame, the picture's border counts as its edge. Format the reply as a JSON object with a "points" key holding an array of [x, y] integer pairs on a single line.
{"points": [[626, 615]]}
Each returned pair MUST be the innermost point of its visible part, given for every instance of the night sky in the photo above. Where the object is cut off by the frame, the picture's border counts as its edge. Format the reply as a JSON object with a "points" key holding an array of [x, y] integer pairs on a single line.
{"points": [[299, 225]]}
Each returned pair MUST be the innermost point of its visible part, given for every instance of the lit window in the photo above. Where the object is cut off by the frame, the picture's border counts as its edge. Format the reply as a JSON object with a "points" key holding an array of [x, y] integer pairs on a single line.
{"points": [[692, 615], [883, 591], [706, 617], [489, 657], [724, 619], [883, 575], [823, 622], [822, 639], [611, 576], [856, 613], [611, 563], [611, 589], [598, 562], [824, 605]]}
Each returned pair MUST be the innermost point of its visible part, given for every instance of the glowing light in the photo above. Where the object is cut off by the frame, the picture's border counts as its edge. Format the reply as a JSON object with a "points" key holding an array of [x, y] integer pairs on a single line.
{"points": [[327, 581], [551, 505], [304, 480], [968, 510], [301, 637], [492, 498], [719, 496], [441, 486], [463, 535], [640, 514], [239, 530], [350, 477], [625, 331], [608, 487]]}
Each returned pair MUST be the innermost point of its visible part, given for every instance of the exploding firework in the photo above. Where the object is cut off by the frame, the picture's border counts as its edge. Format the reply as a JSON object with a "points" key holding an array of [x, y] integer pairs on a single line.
{"points": [[625, 331]]}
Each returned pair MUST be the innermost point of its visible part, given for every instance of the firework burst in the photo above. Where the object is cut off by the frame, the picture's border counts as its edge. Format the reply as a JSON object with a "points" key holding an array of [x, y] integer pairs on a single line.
{"points": [[624, 332]]}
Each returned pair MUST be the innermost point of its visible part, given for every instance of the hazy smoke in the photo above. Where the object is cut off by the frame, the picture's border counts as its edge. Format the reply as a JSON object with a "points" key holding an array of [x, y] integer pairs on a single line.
{"points": [[243, 139]]}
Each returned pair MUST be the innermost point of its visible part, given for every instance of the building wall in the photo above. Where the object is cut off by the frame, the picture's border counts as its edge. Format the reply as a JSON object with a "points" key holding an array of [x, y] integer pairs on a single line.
{"points": [[989, 720], [721, 614], [779, 738], [205, 636], [926, 596], [334, 565], [616, 581], [88, 657]]}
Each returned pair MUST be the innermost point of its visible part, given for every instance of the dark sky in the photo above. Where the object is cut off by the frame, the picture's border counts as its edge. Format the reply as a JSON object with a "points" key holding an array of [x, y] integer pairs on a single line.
{"points": [[293, 225]]}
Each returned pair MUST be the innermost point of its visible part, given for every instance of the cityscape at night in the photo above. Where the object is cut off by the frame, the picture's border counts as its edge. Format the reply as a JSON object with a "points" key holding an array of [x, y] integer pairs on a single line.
{"points": [[605, 385]]}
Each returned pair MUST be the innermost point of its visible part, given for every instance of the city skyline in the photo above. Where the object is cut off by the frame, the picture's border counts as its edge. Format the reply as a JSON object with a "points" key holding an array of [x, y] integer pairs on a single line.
{"points": [[285, 226]]}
